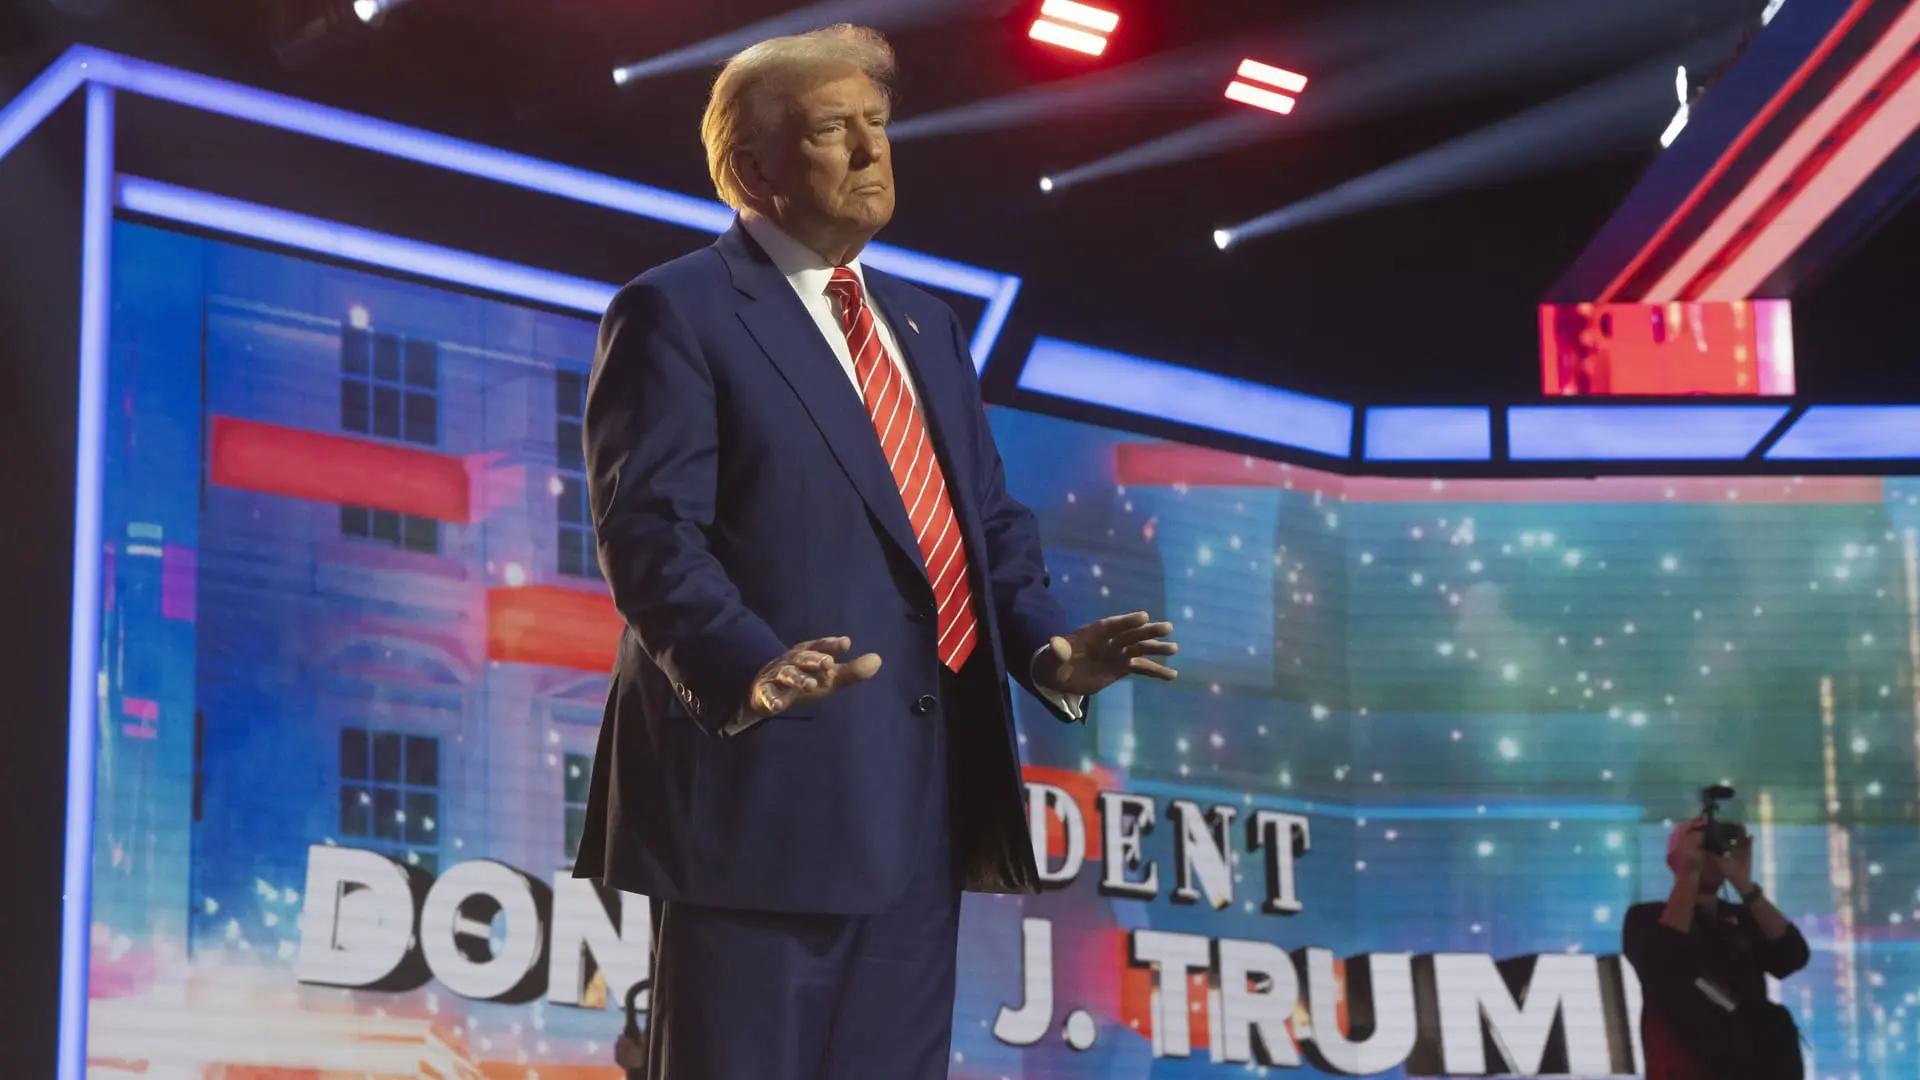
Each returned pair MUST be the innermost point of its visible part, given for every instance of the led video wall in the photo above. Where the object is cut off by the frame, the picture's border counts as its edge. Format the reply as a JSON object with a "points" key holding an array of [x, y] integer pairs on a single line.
{"points": [[1423, 755]]}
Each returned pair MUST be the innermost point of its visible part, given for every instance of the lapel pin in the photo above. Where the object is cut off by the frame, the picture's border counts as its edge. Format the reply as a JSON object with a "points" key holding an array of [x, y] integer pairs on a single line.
{"points": [[911, 325]]}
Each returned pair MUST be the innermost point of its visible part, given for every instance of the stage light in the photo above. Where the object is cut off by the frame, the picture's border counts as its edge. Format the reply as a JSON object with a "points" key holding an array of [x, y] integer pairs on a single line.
{"points": [[307, 30], [1267, 96], [1679, 121], [1046, 183], [1221, 238], [366, 10], [1073, 25], [1773, 8]]}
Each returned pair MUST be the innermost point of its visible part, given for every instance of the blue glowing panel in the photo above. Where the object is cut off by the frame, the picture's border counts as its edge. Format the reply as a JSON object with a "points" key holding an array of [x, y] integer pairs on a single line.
{"points": [[1150, 388], [1638, 432], [1851, 433], [333, 240], [1430, 434]]}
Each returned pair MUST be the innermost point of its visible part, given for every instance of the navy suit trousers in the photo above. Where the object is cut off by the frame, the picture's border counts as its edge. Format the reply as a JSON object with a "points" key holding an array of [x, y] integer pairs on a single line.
{"points": [[762, 995]]}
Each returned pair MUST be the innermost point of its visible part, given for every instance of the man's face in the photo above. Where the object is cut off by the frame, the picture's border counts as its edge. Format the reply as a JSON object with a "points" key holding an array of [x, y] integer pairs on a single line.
{"points": [[827, 170]]}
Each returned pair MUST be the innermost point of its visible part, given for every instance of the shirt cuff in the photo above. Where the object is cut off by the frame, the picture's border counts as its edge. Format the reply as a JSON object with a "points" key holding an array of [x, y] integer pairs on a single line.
{"points": [[1072, 706]]}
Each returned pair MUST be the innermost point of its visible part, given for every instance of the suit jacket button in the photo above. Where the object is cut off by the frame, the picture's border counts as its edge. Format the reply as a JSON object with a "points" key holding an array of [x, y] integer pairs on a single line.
{"points": [[924, 706]]}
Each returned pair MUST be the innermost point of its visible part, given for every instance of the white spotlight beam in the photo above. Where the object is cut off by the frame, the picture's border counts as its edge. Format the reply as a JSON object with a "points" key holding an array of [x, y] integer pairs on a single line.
{"points": [[1455, 58], [880, 14], [1591, 122]]}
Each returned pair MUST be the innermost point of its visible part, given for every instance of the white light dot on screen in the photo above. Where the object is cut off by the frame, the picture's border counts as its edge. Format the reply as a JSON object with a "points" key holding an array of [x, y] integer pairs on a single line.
{"points": [[515, 575], [1509, 749], [1637, 719], [1475, 566], [1205, 555], [1546, 539], [556, 486], [1851, 551], [1360, 864], [1866, 639], [1606, 774], [1474, 929], [1614, 839], [1366, 558], [1873, 788], [1705, 670], [1217, 740], [1379, 778], [1628, 629], [1875, 869], [1606, 684], [1444, 648], [1698, 615], [1417, 578], [1859, 744], [1896, 918], [1579, 676], [1599, 643], [1473, 654], [1184, 770], [1484, 848], [1233, 542], [1603, 914], [1286, 778], [1528, 540], [1669, 563], [1417, 532], [1842, 572], [358, 318], [1180, 744], [1213, 688], [1321, 712], [1186, 612], [1393, 834], [1510, 672], [1105, 591], [1621, 870], [1456, 735], [1571, 558], [1554, 825]]}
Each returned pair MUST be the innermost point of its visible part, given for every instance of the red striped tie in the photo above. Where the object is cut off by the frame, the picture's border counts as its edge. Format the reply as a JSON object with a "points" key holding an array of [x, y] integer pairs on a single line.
{"points": [[923, 487]]}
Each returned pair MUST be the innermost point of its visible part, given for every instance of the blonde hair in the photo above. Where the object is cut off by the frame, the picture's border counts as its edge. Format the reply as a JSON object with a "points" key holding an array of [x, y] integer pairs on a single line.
{"points": [[744, 106]]}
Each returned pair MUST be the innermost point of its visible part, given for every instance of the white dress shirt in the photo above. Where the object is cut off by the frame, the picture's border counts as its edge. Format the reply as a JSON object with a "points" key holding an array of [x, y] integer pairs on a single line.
{"points": [[809, 275]]}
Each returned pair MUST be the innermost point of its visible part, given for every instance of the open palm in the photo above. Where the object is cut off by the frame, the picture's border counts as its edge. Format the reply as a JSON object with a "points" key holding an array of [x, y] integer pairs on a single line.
{"points": [[1105, 651]]}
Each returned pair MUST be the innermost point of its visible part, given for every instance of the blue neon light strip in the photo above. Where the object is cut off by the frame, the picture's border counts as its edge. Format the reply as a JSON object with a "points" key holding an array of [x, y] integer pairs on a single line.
{"points": [[96, 269], [1638, 432], [1851, 433], [31, 107], [501, 166], [332, 239], [1114, 380], [1429, 434]]}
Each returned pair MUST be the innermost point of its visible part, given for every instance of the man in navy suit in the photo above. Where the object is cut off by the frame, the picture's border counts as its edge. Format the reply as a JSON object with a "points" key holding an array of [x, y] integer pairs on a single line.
{"points": [[789, 462]]}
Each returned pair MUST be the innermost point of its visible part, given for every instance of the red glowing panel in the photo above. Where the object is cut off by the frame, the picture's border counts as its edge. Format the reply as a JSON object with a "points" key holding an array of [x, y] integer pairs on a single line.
{"points": [[329, 468], [1739, 347], [553, 627], [1071, 25], [1264, 86]]}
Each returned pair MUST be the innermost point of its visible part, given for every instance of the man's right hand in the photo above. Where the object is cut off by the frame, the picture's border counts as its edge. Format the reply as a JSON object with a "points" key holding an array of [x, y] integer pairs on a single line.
{"points": [[806, 673]]}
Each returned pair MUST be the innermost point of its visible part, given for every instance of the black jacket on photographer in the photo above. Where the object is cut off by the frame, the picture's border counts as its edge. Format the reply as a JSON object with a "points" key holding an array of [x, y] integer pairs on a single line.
{"points": [[1706, 1015]]}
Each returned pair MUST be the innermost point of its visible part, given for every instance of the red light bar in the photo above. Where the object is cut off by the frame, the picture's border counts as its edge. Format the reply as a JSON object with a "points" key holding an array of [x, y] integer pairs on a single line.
{"points": [[1268, 96], [1072, 25]]}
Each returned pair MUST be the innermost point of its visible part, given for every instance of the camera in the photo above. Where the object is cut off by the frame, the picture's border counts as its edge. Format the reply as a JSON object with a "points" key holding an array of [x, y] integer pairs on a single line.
{"points": [[1718, 837]]}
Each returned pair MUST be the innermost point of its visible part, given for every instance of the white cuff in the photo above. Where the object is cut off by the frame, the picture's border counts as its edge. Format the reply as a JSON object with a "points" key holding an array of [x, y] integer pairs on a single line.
{"points": [[1073, 705]]}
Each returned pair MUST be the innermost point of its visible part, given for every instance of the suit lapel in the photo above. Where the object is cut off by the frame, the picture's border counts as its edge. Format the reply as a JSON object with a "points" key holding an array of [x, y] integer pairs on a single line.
{"points": [[791, 339]]}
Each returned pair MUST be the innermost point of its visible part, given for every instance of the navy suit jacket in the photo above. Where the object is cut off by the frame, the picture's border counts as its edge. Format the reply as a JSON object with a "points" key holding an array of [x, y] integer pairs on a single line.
{"points": [[742, 505]]}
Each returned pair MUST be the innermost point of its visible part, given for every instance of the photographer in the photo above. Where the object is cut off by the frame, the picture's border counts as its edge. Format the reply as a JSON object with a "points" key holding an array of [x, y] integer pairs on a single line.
{"points": [[1702, 962]]}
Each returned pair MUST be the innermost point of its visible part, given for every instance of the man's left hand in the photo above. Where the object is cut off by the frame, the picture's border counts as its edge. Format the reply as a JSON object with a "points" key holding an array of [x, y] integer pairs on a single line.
{"points": [[1105, 651]]}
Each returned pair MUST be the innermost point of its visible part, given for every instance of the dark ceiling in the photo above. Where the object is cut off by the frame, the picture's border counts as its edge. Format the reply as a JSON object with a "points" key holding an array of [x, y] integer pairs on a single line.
{"points": [[1428, 300]]}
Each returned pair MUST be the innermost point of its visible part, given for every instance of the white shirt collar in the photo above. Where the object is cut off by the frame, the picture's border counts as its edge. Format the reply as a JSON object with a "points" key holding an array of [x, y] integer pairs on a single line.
{"points": [[807, 270]]}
